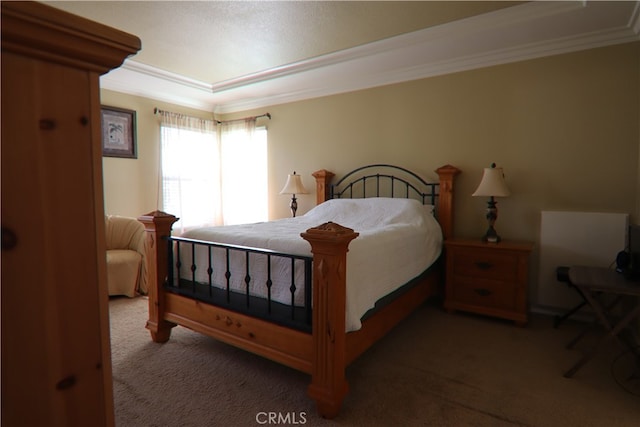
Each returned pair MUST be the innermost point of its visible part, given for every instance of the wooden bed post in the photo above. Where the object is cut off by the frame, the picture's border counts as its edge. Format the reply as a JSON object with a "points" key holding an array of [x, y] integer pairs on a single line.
{"points": [[323, 184], [329, 245], [445, 199], [157, 226]]}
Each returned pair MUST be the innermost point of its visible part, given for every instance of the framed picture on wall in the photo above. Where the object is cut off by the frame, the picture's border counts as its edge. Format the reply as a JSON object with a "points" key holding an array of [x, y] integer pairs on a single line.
{"points": [[118, 132]]}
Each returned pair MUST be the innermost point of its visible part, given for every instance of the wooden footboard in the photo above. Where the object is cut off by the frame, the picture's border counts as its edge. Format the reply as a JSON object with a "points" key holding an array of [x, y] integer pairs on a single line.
{"points": [[321, 353], [326, 352]]}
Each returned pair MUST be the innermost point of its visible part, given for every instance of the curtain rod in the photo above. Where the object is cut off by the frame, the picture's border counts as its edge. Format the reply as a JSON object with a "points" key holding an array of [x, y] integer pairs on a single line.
{"points": [[268, 115]]}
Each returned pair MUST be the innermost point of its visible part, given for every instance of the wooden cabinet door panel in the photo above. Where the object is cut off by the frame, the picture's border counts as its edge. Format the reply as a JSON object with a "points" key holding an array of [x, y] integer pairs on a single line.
{"points": [[50, 289]]}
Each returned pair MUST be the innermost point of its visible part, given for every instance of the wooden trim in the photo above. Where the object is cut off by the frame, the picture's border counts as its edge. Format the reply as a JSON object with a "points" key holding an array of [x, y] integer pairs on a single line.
{"points": [[103, 288], [278, 343], [378, 325], [329, 245], [157, 226], [323, 184], [447, 173], [44, 32]]}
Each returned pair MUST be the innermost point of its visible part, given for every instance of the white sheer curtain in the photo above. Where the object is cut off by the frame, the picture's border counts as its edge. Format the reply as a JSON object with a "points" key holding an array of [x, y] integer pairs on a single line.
{"points": [[190, 171], [212, 173], [244, 171]]}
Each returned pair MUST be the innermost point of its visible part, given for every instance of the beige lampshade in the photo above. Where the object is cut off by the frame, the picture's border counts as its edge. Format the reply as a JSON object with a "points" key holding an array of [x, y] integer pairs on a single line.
{"points": [[294, 185], [492, 183]]}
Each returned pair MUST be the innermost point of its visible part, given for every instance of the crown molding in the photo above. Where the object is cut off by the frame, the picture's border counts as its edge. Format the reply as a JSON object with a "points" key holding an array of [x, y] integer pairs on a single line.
{"points": [[528, 31]]}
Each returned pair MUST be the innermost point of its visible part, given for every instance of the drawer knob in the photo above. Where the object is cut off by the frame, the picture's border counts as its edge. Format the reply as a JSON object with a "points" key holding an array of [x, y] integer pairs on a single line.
{"points": [[483, 265], [483, 292], [47, 124], [9, 239]]}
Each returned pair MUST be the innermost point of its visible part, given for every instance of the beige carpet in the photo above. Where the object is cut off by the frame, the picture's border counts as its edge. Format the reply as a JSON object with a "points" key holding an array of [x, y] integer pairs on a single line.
{"points": [[435, 369]]}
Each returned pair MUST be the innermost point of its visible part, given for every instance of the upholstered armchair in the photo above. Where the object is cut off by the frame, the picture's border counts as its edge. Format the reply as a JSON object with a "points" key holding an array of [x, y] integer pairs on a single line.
{"points": [[126, 256]]}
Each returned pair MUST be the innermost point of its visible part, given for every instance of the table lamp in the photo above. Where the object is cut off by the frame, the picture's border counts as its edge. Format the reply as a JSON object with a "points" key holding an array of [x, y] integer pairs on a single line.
{"points": [[492, 185], [294, 186]]}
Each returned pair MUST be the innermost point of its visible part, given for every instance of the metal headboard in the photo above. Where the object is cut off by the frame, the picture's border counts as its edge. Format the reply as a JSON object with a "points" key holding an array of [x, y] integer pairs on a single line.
{"points": [[395, 182]]}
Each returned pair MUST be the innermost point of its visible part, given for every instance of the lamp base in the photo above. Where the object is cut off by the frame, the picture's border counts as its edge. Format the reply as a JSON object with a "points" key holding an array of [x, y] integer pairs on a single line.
{"points": [[293, 205], [492, 215], [491, 236]]}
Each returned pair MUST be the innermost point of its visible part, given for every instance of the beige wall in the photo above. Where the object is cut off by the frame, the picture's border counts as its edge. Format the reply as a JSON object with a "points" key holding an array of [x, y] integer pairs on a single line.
{"points": [[565, 128], [131, 185]]}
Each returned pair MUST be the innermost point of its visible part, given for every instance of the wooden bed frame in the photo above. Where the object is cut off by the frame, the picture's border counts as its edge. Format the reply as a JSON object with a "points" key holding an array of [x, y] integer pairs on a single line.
{"points": [[328, 350]]}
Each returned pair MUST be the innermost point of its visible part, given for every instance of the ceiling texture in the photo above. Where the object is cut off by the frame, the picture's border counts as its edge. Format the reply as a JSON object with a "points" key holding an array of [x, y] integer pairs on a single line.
{"points": [[228, 56]]}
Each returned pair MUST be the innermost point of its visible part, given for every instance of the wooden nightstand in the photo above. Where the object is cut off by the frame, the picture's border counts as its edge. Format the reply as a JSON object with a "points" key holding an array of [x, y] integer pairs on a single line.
{"points": [[488, 278]]}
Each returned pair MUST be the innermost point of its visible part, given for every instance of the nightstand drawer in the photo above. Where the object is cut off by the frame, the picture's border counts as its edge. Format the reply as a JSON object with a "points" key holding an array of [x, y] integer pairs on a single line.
{"points": [[485, 265], [484, 293], [488, 278]]}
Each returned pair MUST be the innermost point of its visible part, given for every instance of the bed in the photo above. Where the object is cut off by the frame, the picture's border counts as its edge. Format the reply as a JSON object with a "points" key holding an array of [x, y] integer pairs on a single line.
{"points": [[311, 292]]}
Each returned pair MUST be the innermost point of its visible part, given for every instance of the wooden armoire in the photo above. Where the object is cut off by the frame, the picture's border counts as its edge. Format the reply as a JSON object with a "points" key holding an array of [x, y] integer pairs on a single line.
{"points": [[56, 359]]}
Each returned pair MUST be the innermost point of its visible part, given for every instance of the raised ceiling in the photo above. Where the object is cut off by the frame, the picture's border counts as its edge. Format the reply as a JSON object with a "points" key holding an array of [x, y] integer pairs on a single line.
{"points": [[229, 56]]}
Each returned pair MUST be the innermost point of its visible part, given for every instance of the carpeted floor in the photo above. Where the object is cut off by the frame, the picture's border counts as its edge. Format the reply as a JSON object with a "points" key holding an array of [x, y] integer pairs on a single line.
{"points": [[435, 369]]}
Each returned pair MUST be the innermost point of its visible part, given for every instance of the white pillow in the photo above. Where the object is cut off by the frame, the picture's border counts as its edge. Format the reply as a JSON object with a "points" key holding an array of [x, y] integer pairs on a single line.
{"points": [[373, 212]]}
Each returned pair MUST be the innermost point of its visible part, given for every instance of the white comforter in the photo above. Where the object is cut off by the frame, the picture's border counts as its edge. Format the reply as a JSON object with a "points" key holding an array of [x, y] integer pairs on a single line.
{"points": [[399, 239]]}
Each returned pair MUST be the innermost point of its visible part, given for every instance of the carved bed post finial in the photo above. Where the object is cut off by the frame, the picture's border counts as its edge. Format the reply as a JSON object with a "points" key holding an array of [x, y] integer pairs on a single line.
{"points": [[157, 225], [329, 245], [445, 200], [323, 184]]}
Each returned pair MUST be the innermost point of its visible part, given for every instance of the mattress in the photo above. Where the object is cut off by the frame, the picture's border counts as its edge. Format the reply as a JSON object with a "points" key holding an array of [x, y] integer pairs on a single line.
{"points": [[398, 240]]}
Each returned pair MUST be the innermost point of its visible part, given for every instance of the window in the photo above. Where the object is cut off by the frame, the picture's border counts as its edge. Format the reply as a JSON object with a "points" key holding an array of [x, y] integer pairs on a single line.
{"points": [[212, 174], [244, 175]]}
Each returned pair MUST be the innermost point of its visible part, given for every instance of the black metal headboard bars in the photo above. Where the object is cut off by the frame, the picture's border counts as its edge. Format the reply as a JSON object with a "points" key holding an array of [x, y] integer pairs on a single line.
{"points": [[359, 184]]}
